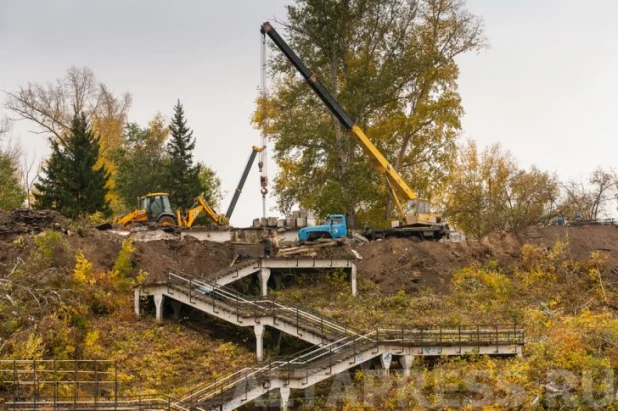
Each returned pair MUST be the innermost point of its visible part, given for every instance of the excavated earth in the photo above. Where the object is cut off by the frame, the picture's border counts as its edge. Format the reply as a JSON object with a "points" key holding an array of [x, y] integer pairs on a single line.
{"points": [[392, 264]]}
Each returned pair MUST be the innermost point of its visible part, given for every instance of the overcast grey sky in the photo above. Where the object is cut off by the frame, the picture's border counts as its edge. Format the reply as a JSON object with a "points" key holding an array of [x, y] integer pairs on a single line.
{"points": [[546, 89]]}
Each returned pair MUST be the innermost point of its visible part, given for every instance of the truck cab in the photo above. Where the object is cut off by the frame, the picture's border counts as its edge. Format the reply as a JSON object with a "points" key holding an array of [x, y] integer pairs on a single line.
{"points": [[334, 226]]}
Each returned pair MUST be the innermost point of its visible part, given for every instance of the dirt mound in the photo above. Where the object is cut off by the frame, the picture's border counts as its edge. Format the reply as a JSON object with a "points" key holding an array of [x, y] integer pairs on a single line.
{"points": [[392, 263], [18, 222], [201, 258]]}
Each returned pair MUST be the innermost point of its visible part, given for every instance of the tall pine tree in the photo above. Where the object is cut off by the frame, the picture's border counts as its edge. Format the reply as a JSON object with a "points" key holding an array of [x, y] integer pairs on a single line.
{"points": [[71, 184], [183, 175]]}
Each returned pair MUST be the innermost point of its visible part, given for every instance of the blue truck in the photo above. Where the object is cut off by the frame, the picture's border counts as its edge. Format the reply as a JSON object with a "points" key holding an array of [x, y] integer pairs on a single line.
{"points": [[334, 226]]}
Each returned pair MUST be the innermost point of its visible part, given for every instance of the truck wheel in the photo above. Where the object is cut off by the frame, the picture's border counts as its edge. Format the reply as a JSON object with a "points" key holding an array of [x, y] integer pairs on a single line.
{"points": [[166, 221]]}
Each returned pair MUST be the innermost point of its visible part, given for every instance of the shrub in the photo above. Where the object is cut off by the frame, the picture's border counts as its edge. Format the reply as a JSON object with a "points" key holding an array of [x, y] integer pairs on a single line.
{"points": [[123, 265]]}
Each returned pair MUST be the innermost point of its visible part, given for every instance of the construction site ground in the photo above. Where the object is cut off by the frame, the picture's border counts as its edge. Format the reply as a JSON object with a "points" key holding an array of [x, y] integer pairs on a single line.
{"points": [[555, 293], [392, 264]]}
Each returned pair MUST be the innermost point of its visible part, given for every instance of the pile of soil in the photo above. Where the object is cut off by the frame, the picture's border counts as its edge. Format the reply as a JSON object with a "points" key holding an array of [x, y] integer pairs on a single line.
{"points": [[18, 222], [199, 258], [392, 263]]}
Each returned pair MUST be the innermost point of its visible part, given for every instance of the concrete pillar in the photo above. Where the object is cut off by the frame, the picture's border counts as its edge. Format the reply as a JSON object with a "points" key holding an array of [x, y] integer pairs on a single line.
{"points": [[176, 306], [158, 300], [264, 275], [385, 361], [136, 299], [259, 341], [284, 393], [406, 363], [353, 280]]}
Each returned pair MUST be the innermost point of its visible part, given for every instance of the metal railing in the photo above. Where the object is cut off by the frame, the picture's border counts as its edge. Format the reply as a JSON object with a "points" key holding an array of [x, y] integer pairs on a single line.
{"points": [[248, 308], [123, 403], [52, 379], [298, 367], [458, 335], [339, 342]]}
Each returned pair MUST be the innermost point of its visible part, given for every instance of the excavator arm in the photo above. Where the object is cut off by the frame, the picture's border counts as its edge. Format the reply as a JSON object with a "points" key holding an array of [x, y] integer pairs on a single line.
{"points": [[395, 181], [200, 205]]}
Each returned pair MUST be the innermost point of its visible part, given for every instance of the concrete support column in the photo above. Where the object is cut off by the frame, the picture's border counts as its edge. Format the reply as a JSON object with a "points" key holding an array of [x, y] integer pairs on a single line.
{"points": [[158, 300], [353, 280], [259, 341], [385, 362], [264, 276], [284, 393], [136, 299], [176, 306], [406, 363]]}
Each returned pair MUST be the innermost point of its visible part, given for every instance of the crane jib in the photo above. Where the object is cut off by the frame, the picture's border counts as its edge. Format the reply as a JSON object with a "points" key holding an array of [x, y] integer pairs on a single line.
{"points": [[372, 151], [311, 78]]}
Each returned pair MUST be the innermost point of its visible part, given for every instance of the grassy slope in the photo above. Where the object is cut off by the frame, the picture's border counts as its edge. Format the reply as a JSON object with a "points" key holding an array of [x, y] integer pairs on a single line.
{"points": [[567, 310], [57, 306]]}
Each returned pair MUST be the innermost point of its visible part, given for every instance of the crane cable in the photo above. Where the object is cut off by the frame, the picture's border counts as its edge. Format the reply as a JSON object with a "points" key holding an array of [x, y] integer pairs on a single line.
{"points": [[263, 157]]}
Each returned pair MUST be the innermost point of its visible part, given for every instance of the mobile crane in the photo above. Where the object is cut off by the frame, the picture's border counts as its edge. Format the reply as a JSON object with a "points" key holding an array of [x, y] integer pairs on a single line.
{"points": [[415, 217]]}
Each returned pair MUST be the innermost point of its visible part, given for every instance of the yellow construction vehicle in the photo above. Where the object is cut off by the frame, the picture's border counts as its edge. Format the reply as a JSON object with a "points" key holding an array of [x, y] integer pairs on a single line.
{"points": [[415, 216], [198, 206], [155, 208]]}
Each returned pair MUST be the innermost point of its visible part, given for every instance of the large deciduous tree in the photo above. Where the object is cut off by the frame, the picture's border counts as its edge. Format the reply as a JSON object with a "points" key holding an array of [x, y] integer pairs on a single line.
{"points": [[488, 192], [183, 175], [391, 65], [72, 182], [52, 107], [589, 200]]}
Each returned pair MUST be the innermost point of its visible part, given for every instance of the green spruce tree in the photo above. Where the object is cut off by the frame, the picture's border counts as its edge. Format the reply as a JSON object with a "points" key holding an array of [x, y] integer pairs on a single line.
{"points": [[183, 181], [72, 184]]}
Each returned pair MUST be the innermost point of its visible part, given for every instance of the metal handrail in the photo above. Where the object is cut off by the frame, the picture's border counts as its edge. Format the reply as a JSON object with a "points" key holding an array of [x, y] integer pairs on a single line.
{"points": [[255, 306], [342, 342], [310, 359]]}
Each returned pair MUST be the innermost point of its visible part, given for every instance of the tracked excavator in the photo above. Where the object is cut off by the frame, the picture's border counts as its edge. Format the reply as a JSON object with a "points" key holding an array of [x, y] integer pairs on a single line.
{"points": [[415, 217], [155, 208]]}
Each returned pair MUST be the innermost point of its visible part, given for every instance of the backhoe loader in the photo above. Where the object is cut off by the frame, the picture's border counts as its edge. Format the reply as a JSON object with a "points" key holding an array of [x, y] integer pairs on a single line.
{"points": [[155, 208]]}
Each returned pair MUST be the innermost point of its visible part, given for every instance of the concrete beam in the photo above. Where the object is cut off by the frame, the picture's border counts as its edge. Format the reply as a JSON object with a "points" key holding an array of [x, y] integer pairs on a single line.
{"points": [[306, 262]]}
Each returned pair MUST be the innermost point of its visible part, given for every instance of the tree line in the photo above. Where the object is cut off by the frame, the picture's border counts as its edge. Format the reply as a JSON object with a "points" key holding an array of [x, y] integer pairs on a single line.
{"points": [[392, 65], [100, 162]]}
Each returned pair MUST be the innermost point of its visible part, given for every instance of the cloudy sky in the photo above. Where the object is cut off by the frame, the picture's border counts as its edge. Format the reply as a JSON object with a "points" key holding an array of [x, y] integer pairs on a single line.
{"points": [[546, 89]]}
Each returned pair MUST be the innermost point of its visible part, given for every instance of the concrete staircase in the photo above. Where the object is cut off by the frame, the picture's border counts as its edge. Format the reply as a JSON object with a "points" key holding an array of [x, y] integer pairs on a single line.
{"points": [[245, 311], [337, 347]]}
